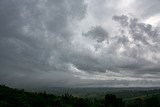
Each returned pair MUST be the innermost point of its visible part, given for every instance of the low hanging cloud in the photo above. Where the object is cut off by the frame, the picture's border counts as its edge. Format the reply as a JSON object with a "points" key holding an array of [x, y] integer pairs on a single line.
{"points": [[42, 43]]}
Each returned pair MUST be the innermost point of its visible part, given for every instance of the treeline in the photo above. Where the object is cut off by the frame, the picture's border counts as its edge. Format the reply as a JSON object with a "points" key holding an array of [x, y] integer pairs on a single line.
{"points": [[19, 98]]}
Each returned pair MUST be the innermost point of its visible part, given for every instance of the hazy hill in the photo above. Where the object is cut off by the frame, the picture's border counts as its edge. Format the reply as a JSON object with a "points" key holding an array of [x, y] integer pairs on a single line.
{"points": [[85, 97]]}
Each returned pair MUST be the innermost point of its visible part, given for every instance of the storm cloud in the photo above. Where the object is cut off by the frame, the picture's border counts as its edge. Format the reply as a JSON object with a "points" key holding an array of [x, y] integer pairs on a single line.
{"points": [[79, 43]]}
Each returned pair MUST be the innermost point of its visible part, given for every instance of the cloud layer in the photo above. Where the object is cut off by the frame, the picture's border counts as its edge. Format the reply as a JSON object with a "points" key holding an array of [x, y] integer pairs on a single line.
{"points": [[79, 43]]}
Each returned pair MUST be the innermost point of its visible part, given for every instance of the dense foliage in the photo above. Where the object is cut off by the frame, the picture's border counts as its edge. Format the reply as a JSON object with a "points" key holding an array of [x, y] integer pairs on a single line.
{"points": [[19, 98]]}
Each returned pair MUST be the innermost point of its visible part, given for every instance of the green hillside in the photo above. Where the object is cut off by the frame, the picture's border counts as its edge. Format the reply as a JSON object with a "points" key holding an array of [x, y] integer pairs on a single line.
{"points": [[10, 97]]}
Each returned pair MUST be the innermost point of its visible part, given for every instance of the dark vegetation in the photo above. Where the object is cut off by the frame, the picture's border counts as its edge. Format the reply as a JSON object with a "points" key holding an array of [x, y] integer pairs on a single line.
{"points": [[19, 98]]}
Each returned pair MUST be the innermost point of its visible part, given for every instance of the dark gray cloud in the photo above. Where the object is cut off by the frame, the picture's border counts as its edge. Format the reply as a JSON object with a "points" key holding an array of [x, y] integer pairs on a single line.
{"points": [[42, 44], [97, 33], [123, 20], [33, 32]]}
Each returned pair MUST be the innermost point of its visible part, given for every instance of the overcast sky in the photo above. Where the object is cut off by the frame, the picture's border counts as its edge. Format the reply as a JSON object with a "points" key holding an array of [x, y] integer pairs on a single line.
{"points": [[65, 43]]}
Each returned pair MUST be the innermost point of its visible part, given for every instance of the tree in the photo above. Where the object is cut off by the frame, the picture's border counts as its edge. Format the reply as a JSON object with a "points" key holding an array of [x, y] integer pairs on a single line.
{"points": [[112, 101]]}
